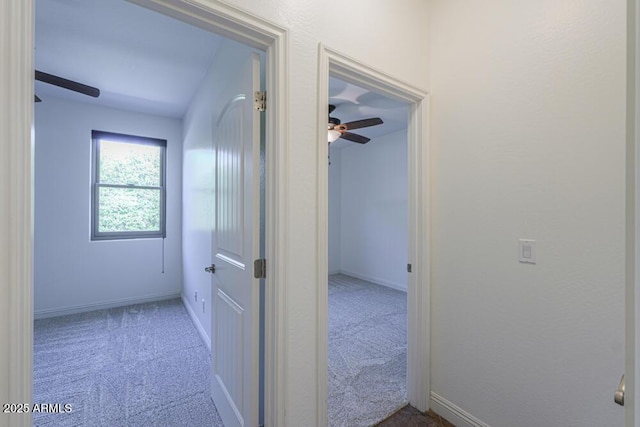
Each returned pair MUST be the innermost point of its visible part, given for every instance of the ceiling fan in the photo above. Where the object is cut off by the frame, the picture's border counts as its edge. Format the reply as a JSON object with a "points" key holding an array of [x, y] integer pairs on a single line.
{"points": [[66, 84], [338, 129]]}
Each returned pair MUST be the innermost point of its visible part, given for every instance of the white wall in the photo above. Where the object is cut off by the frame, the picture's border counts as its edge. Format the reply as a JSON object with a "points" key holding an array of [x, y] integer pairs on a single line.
{"points": [[73, 273], [528, 134], [198, 182], [335, 210], [372, 210]]}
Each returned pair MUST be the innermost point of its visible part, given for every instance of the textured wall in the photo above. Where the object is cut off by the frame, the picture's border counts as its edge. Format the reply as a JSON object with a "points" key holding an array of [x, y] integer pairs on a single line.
{"points": [[71, 271], [528, 133]]}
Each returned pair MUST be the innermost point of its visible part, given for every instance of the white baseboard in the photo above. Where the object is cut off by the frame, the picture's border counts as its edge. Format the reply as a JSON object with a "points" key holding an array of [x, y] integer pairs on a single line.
{"points": [[452, 413], [55, 312], [196, 322], [377, 281]]}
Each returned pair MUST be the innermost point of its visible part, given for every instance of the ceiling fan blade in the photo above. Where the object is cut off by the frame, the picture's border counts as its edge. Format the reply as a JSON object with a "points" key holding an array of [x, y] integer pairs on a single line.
{"points": [[36, 98], [331, 108], [354, 137], [67, 84], [363, 123]]}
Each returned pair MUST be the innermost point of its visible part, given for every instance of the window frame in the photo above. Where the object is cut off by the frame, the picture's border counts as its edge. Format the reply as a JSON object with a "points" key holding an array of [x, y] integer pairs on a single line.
{"points": [[96, 137]]}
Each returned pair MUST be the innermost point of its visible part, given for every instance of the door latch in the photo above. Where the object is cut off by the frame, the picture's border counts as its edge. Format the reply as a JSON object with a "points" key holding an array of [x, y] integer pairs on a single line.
{"points": [[211, 269], [618, 396]]}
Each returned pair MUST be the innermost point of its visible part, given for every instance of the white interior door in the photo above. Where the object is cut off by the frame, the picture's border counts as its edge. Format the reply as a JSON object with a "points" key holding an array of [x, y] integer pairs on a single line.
{"points": [[235, 316]]}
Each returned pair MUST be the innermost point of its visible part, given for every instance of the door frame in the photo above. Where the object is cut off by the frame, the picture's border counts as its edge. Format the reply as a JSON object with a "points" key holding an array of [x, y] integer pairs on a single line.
{"points": [[332, 62], [632, 222], [17, 112]]}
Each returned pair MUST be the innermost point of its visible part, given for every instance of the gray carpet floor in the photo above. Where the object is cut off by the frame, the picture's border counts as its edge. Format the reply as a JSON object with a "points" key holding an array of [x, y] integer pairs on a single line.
{"points": [[141, 365], [367, 351], [145, 365]]}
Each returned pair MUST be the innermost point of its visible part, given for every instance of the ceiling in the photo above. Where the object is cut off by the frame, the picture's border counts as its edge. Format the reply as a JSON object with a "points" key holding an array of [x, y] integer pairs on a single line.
{"points": [[140, 60], [354, 103], [144, 61]]}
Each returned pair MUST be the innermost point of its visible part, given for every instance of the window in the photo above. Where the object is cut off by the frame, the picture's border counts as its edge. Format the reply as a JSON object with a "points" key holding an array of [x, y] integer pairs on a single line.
{"points": [[128, 191]]}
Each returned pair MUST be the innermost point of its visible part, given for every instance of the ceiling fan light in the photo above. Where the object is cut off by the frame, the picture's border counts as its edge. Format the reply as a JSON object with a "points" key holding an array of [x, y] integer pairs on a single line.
{"points": [[333, 135]]}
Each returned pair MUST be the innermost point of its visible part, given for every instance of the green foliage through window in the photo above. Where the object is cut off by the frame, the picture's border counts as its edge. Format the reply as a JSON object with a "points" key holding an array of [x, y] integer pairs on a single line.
{"points": [[128, 195]]}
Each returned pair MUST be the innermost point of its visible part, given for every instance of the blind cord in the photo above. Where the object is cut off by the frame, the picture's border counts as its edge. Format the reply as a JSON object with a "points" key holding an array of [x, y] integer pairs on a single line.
{"points": [[163, 255]]}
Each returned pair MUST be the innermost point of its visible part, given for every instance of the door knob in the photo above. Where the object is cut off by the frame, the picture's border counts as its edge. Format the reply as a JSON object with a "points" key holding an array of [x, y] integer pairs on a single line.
{"points": [[211, 269], [618, 396]]}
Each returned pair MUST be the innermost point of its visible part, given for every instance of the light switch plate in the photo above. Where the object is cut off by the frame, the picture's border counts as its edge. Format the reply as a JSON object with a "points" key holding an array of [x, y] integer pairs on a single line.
{"points": [[527, 251]]}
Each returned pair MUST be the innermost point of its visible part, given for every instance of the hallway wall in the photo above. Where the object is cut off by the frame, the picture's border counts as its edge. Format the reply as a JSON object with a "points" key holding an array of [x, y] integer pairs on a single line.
{"points": [[528, 142]]}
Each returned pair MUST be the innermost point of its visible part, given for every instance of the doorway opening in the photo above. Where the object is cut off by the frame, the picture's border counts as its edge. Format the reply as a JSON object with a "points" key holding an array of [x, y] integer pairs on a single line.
{"points": [[117, 265], [367, 257], [224, 20], [336, 65]]}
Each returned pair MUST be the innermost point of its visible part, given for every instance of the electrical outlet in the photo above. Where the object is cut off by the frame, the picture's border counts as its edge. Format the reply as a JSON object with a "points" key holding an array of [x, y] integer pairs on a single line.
{"points": [[203, 305], [196, 296]]}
